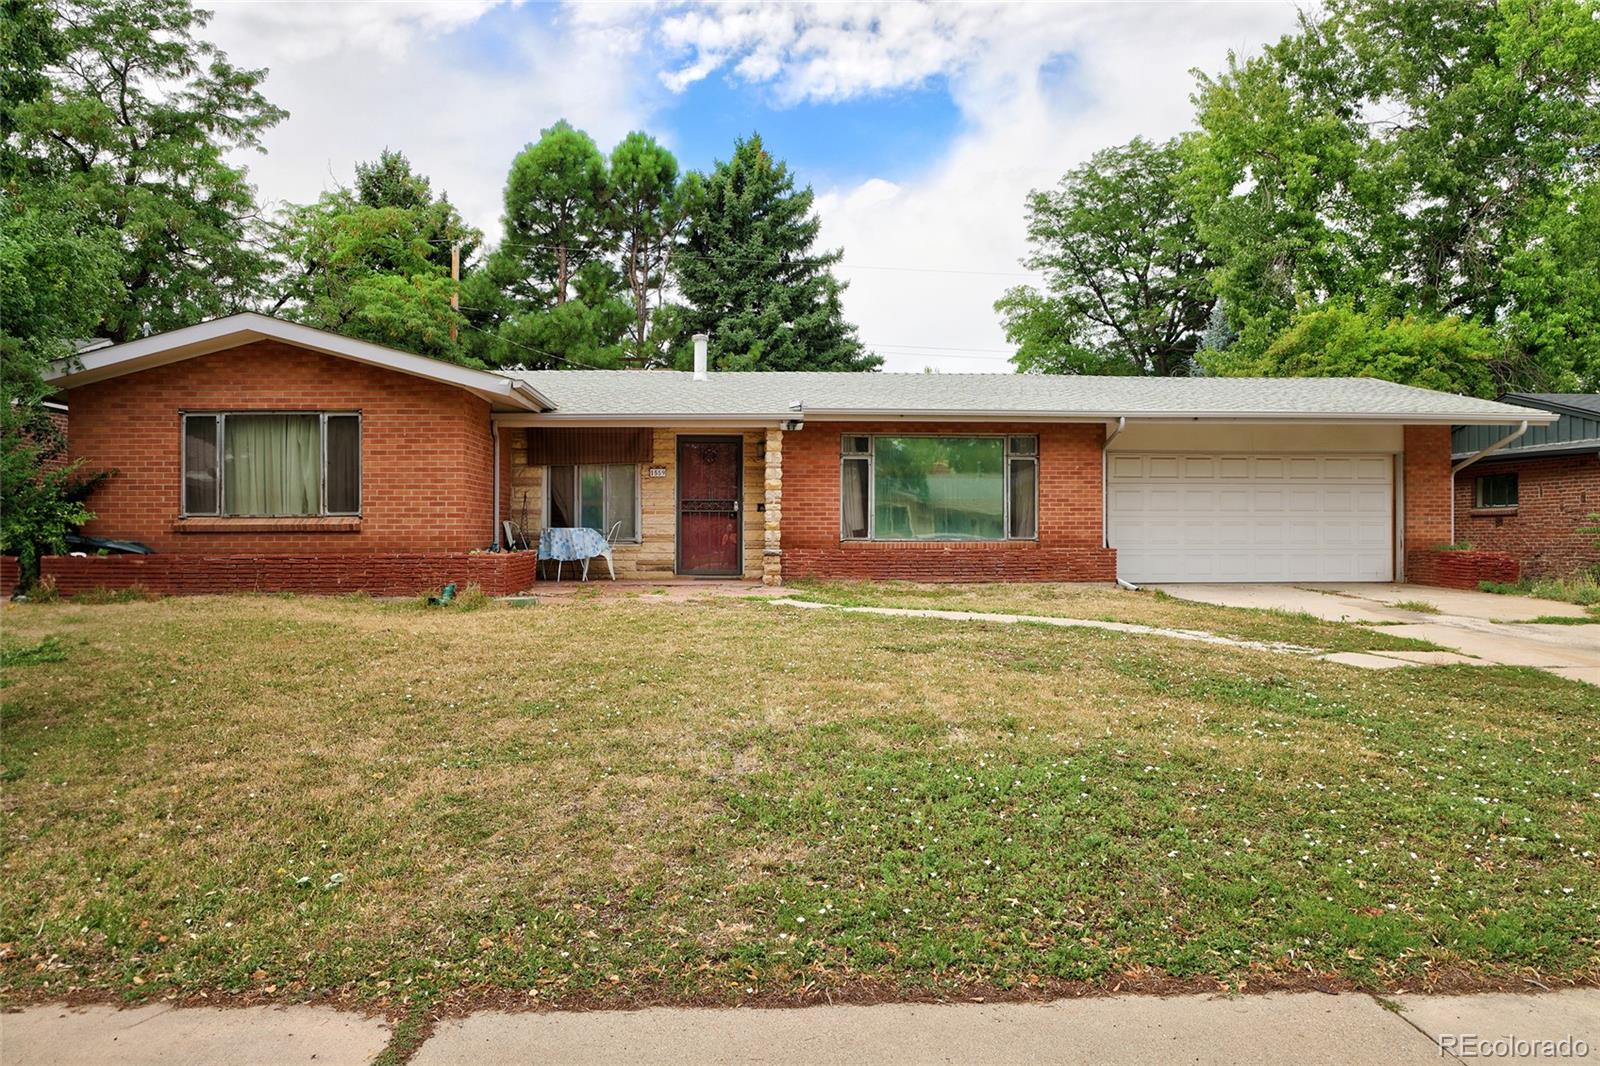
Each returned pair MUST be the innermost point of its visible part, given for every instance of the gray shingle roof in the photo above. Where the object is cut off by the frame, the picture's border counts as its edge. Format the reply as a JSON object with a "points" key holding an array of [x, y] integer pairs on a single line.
{"points": [[616, 394]]}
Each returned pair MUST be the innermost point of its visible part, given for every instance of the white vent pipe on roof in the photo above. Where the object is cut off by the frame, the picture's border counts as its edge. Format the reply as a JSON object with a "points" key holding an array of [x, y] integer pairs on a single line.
{"points": [[700, 340]]}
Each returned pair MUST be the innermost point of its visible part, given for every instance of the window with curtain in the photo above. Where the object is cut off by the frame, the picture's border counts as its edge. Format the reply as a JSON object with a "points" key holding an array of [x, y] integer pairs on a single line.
{"points": [[272, 465], [596, 495], [939, 488]]}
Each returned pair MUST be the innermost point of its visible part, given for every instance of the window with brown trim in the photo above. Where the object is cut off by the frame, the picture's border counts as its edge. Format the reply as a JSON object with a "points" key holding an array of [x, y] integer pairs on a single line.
{"points": [[271, 464]]}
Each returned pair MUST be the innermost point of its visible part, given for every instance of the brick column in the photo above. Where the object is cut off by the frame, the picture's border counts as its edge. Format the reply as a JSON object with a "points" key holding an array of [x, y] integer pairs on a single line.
{"points": [[772, 536]]}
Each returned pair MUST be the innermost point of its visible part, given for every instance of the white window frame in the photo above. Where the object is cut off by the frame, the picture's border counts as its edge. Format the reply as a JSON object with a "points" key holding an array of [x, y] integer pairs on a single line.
{"points": [[222, 444], [870, 457], [605, 503]]}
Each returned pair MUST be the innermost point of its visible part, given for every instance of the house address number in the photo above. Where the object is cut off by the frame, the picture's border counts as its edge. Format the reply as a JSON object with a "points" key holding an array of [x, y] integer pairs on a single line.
{"points": [[658, 471]]}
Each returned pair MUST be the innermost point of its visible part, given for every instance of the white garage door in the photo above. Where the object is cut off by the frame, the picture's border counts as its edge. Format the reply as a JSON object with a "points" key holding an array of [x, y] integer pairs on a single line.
{"points": [[1251, 517]]}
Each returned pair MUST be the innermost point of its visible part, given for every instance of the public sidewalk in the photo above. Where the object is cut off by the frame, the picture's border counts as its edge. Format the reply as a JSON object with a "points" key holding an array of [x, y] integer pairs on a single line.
{"points": [[1298, 1028]]}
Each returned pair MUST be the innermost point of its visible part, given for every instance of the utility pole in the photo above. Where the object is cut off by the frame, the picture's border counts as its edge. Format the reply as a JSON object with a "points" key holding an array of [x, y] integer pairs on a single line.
{"points": [[455, 286]]}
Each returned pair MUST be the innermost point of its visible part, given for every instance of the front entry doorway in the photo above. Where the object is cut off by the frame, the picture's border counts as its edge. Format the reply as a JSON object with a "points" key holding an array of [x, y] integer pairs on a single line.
{"points": [[710, 506]]}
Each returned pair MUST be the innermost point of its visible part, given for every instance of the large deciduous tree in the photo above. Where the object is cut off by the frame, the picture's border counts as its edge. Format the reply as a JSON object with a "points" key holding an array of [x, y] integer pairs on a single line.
{"points": [[1425, 158], [134, 126], [1125, 289], [749, 273], [374, 261]]}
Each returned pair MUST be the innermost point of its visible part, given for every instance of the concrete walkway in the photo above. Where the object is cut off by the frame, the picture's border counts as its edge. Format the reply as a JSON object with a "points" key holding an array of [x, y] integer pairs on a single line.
{"points": [[1052, 620], [1480, 626], [1300, 1028]]}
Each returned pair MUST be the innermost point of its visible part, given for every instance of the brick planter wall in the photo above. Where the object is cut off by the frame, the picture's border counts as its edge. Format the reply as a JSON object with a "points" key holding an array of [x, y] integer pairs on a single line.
{"points": [[1459, 570], [399, 574], [1554, 497], [1070, 545], [10, 574]]}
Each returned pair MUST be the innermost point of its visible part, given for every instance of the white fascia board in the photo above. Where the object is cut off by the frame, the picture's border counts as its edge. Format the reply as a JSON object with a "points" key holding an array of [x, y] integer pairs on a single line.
{"points": [[220, 334], [520, 420]]}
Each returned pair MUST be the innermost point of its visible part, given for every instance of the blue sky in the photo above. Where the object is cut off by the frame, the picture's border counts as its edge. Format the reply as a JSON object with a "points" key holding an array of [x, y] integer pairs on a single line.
{"points": [[921, 127], [892, 135]]}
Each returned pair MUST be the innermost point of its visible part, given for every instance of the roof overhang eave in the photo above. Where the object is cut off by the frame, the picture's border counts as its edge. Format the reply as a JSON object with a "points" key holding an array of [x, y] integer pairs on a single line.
{"points": [[220, 334], [1332, 418], [581, 420]]}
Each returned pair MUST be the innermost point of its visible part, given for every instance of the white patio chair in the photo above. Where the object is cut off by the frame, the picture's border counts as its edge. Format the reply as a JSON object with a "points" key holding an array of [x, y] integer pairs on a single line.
{"points": [[611, 542]]}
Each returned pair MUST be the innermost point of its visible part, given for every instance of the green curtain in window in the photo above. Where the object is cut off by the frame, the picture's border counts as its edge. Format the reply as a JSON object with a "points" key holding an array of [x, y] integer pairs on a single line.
{"points": [[270, 464]]}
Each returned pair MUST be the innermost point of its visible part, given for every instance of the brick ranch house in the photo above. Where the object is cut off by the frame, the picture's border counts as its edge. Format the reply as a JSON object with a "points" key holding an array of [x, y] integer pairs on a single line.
{"points": [[252, 453], [1531, 497]]}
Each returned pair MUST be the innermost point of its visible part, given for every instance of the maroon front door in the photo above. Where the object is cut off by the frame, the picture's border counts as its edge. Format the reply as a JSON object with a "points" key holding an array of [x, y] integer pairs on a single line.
{"points": [[709, 505]]}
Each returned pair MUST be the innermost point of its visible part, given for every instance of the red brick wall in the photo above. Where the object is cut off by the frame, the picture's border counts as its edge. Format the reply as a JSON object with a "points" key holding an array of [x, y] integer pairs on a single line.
{"points": [[1071, 539], [403, 574], [1459, 570], [426, 478], [1426, 465], [1554, 496]]}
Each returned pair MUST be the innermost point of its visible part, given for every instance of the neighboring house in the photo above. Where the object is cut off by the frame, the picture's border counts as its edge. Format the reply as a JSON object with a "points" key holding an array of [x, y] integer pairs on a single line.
{"points": [[255, 453], [1532, 496]]}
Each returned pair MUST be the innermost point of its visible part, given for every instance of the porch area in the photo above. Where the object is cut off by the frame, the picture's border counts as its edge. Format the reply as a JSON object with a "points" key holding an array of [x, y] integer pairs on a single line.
{"points": [[686, 504]]}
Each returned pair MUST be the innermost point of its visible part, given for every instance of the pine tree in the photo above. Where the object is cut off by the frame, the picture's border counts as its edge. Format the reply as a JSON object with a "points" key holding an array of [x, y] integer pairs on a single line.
{"points": [[749, 276]]}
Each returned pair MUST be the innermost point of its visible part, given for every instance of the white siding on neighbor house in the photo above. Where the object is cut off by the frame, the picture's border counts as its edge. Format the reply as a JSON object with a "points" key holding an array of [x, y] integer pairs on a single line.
{"points": [[1242, 516]]}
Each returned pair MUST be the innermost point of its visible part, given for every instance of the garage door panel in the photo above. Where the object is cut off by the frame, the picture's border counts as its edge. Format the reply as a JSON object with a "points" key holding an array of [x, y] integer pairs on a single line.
{"points": [[1207, 517]]}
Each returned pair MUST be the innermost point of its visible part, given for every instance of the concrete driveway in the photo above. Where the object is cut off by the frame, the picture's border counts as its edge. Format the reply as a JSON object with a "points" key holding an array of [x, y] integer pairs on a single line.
{"points": [[1478, 625]]}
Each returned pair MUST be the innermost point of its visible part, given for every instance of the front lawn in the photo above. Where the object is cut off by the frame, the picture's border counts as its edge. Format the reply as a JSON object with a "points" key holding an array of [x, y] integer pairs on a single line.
{"points": [[725, 800], [1109, 603]]}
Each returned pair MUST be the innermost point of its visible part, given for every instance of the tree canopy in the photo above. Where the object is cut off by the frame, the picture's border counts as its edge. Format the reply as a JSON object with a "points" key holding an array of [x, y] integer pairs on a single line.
{"points": [[133, 119], [373, 261], [1416, 171], [1125, 289]]}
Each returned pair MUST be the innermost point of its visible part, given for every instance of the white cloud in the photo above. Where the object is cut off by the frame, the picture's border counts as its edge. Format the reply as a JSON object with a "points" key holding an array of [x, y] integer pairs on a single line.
{"points": [[359, 77], [1039, 86], [957, 231]]}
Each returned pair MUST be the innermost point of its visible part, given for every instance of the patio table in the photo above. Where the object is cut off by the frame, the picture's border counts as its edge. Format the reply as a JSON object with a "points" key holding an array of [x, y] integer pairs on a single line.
{"points": [[571, 544]]}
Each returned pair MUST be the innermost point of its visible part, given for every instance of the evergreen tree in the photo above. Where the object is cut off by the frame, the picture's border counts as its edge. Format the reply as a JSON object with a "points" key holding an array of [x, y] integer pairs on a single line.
{"points": [[749, 276], [550, 294], [645, 214]]}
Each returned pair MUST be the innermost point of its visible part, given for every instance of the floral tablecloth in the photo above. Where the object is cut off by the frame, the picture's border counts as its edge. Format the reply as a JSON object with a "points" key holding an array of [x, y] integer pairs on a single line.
{"points": [[570, 544]]}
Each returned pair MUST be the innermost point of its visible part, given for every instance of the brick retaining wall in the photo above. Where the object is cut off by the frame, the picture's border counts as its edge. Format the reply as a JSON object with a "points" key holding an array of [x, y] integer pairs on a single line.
{"points": [[400, 574], [1459, 570]]}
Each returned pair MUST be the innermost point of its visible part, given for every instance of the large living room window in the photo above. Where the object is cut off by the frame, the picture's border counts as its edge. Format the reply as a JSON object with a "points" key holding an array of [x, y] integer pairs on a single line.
{"points": [[598, 496], [939, 488], [290, 464]]}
